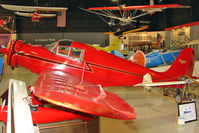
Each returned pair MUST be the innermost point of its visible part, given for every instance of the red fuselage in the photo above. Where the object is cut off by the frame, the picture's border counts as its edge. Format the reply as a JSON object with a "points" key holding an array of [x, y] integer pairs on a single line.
{"points": [[91, 64]]}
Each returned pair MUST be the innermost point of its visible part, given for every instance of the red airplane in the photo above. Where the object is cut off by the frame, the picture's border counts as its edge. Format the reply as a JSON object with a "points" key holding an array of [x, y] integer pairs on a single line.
{"points": [[73, 74]]}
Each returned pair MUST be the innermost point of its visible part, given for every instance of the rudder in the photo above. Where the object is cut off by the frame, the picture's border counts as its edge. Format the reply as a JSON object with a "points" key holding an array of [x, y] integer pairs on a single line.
{"points": [[183, 64]]}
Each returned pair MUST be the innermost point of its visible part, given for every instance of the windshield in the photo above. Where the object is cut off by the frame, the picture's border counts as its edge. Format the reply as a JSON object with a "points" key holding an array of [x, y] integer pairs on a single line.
{"points": [[51, 47]]}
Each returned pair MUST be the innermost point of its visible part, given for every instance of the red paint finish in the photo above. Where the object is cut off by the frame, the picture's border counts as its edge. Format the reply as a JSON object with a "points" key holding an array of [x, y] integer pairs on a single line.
{"points": [[87, 97], [93, 67], [97, 66], [48, 115], [184, 25]]}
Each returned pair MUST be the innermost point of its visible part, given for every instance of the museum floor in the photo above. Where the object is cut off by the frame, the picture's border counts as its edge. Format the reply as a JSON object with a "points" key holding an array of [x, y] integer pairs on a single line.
{"points": [[155, 114]]}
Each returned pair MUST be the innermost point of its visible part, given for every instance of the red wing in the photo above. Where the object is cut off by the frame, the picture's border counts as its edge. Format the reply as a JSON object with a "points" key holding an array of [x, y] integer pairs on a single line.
{"points": [[105, 8], [139, 7], [64, 89]]}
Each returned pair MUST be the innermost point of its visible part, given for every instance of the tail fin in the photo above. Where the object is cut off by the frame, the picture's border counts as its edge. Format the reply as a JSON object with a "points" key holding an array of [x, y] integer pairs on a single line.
{"points": [[183, 64]]}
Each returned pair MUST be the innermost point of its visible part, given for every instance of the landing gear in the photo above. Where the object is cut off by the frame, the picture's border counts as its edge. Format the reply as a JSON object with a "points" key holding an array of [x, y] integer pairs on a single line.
{"points": [[178, 98], [178, 95], [184, 94]]}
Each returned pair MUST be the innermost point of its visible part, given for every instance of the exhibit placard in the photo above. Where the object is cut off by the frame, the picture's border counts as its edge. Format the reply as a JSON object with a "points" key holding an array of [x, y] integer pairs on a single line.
{"points": [[187, 111]]}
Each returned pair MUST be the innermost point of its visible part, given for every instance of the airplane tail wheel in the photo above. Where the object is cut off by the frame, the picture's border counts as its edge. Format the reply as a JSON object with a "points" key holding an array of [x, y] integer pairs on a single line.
{"points": [[178, 99]]}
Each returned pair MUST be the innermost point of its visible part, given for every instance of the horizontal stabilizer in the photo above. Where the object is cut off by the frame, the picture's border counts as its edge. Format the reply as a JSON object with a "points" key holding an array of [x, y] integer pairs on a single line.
{"points": [[147, 82]]}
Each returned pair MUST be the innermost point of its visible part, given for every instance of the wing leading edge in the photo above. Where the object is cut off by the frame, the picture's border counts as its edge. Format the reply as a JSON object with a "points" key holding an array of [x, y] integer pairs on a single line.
{"points": [[139, 7], [31, 8], [65, 90]]}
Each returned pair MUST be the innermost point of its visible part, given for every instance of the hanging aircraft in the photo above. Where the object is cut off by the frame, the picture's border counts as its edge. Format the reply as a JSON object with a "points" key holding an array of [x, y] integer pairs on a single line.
{"points": [[129, 14], [39, 12], [122, 15], [72, 75]]}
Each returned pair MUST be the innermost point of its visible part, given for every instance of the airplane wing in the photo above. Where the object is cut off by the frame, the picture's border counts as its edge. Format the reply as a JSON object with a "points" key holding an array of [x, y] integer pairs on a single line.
{"points": [[31, 14], [66, 90], [136, 30], [30, 8], [139, 7]]}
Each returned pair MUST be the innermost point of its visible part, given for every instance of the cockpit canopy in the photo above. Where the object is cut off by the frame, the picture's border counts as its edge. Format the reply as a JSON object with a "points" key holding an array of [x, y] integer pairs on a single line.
{"points": [[64, 48]]}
